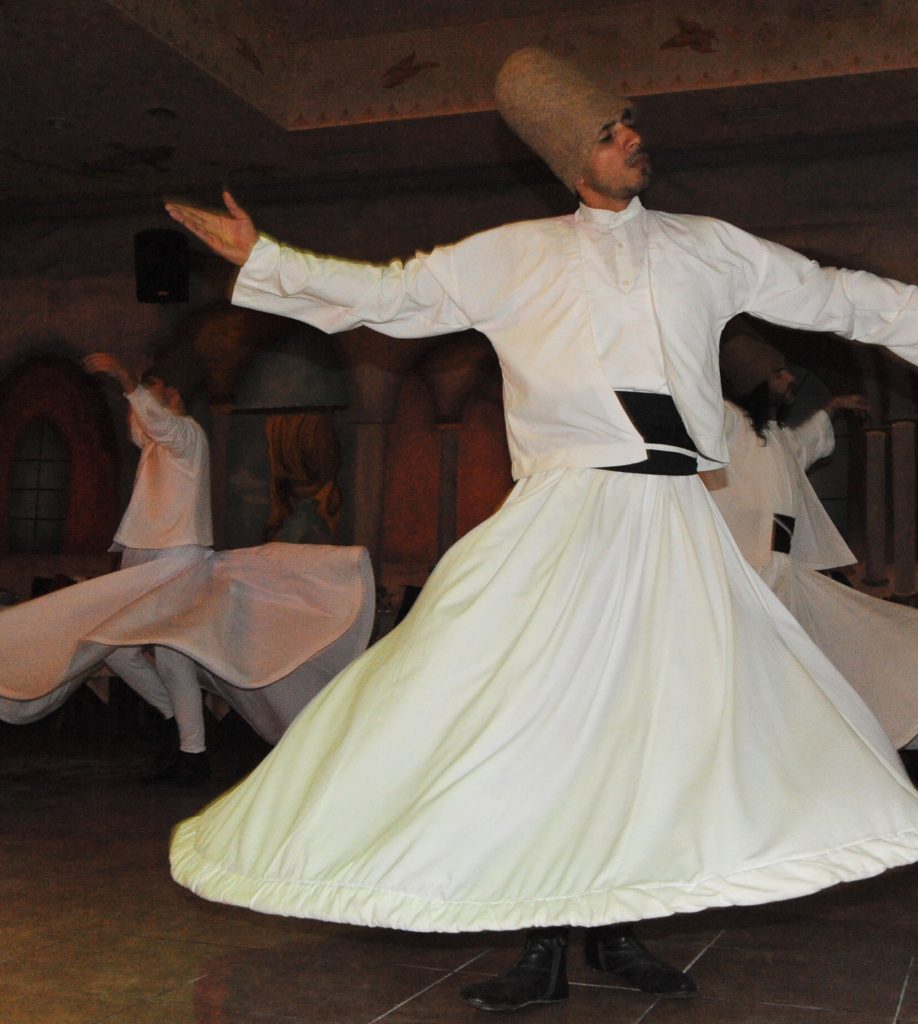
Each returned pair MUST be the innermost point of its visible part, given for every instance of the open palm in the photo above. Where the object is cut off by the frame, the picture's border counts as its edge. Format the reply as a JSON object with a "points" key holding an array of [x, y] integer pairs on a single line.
{"points": [[231, 235]]}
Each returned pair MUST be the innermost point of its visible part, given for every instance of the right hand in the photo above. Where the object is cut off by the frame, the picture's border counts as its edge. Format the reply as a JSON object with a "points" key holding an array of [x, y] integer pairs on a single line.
{"points": [[231, 235], [111, 366]]}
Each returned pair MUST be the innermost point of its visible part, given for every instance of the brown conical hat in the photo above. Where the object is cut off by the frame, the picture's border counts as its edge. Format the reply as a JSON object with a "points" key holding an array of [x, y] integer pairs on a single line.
{"points": [[555, 108], [746, 361]]}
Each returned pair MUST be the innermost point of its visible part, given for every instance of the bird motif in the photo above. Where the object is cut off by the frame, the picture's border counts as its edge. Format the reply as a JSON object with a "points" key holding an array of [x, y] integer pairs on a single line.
{"points": [[406, 68], [692, 35]]}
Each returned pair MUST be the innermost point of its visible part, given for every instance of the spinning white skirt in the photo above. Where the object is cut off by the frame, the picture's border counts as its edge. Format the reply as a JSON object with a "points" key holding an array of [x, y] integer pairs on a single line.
{"points": [[268, 627], [873, 642], [595, 712]]}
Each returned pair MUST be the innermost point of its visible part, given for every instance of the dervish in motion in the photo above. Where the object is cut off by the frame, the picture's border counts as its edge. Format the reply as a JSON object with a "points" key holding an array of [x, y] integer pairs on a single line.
{"points": [[168, 516], [596, 712], [787, 536]]}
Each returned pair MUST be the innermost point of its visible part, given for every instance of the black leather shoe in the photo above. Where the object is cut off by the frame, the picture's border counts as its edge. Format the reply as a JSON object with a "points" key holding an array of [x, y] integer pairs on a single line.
{"points": [[167, 746], [616, 950], [539, 976], [188, 770]]}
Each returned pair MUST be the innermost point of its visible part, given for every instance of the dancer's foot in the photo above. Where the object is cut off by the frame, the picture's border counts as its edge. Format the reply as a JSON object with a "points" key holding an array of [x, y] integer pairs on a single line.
{"points": [[539, 976], [167, 746], [616, 950], [187, 770]]}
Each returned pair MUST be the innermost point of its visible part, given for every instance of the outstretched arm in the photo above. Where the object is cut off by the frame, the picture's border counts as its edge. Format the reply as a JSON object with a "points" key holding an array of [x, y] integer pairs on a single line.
{"points": [[231, 235], [814, 438], [794, 291], [403, 300], [852, 403], [111, 366]]}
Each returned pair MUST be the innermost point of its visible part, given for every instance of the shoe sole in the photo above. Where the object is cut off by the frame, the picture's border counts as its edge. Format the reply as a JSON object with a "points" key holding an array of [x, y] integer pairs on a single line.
{"points": [[650, 992], [480, 1005]]}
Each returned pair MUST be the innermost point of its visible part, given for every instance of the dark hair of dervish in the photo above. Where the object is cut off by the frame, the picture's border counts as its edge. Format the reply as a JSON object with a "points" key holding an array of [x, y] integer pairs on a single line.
{"points": [[156, 371], [758, 406]]}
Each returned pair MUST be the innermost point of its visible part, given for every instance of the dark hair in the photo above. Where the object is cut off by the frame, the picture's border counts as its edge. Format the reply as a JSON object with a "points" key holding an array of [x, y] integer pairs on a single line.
{"points": [[155, 372], [758, 406]]}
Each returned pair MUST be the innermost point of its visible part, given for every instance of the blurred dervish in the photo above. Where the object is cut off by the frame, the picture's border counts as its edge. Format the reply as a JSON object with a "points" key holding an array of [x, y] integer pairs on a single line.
{"points": [[596, 712], [168, 516], [262, 628], [788, 538]]}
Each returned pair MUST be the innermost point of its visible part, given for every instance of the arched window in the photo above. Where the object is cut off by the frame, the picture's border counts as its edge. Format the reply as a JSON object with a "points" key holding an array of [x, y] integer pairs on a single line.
{"points": [[39, 491]]}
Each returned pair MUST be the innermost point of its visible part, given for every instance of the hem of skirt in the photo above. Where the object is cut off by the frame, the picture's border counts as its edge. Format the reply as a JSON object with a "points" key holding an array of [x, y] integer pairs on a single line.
{"points": [[383, 908]]}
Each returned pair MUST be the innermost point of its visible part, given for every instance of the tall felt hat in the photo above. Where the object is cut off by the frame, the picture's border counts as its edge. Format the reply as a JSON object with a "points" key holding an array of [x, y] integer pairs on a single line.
{"points": [[555, 108], [746, 361]]}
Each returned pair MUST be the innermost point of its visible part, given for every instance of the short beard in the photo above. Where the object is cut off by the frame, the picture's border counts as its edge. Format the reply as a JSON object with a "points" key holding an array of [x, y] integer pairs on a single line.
{"points": [[623, 193]]}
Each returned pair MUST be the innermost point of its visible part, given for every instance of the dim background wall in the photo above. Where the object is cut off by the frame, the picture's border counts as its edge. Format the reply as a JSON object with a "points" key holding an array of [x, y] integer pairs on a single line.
{"points": [[68, 289]]}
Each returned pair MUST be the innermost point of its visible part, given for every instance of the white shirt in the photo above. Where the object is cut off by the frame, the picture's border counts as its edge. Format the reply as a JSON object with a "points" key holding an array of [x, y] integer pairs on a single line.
{"points": [[529, 289], [615, 255], [170, 503], [768, 475]]}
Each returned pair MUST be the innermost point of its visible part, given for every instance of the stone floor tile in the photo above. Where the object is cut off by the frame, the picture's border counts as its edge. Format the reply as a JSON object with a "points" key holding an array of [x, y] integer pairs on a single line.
{"points": [[126, 968], [891, 897], [94, 931], [438, 951], [802, 933], [157, 1012], [853, 980], [908, 1008], [301, 987], [701, 1010], [23, 1002], [586, 1005]]}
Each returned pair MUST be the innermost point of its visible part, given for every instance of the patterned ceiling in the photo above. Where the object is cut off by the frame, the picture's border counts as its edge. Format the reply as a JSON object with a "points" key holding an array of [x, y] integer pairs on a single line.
{"points": [[121, 101]]}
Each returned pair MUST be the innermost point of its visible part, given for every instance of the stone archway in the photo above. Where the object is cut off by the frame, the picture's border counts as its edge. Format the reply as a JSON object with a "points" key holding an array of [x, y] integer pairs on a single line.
{"points": [[56, 390]]}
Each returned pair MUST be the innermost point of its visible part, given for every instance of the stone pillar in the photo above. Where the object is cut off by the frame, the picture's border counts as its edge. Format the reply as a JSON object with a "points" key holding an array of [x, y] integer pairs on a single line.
{"points": [[368, 476], [875, 509], [375, 369], [903, 490], [219, 449], [449, 484], [451, 371]]}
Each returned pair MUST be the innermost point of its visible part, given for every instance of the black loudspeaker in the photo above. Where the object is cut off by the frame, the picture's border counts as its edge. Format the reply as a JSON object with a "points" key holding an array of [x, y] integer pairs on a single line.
{"points": [[161, 265]]}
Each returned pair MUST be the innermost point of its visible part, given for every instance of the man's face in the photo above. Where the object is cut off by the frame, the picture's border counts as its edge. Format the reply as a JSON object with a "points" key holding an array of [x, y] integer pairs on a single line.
{"points": [[167, 396], [782, 387], [618, 168]]}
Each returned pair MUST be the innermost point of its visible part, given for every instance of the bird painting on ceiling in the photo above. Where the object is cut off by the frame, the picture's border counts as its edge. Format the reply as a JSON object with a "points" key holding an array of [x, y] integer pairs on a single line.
{"points": [[406, 68], [244, 49], [692, 35]]}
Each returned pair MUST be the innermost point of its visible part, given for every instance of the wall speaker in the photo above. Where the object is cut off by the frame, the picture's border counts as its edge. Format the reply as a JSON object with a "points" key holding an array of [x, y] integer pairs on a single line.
{"points": [[161, 265]]}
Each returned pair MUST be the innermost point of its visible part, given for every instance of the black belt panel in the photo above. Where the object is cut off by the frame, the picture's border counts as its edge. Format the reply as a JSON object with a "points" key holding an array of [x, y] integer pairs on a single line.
{"points": [[657, 420], [782, 533]]}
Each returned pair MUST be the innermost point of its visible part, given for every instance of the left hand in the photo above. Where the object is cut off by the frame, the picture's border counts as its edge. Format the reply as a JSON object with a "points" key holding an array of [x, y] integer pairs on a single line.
{"points": [[852, 403]]}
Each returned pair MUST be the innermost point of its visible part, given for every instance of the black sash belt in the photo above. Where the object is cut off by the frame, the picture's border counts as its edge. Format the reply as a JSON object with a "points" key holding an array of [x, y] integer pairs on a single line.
{"points": [[657, 420], [782, 533]]}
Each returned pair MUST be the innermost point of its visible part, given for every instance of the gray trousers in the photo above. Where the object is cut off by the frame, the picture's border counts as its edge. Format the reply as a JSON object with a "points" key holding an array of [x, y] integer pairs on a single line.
{"points": [[170, 681]]}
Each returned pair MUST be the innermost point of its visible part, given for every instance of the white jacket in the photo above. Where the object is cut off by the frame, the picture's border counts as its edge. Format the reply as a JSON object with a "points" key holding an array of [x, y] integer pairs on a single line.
{"points": [[523, 286], [170, 503]]}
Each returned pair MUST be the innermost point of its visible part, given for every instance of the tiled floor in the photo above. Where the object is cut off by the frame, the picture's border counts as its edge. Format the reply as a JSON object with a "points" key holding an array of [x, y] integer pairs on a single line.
{"points": [[93, 931]]}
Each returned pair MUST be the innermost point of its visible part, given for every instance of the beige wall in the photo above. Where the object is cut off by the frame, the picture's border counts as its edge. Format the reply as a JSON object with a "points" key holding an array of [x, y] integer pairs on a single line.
{"points": [[68, 286]]}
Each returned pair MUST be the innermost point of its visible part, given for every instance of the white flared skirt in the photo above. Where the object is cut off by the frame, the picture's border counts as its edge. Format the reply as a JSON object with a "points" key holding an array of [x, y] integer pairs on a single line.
{"points": [[268, 627], [873, 643], [595, 712]]}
